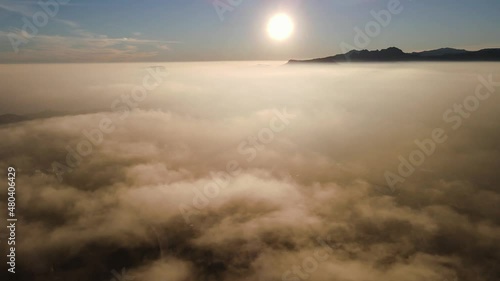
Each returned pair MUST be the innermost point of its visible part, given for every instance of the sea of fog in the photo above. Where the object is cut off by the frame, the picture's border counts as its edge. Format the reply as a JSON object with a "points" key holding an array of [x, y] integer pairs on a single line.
{"points": [[248, 171]]}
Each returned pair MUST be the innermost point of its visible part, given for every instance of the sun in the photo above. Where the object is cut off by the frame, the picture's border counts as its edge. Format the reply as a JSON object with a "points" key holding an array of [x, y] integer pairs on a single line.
{"points": [[280, 27]]}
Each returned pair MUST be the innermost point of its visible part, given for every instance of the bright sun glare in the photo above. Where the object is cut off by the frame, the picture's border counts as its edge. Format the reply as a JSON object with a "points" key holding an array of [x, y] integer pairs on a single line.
{"points": [[280, 27]]}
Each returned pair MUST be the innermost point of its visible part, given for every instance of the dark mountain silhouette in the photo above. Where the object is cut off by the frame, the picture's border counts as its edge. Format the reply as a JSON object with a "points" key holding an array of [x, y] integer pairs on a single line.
{"points": [[394, 54], [440, 52]]}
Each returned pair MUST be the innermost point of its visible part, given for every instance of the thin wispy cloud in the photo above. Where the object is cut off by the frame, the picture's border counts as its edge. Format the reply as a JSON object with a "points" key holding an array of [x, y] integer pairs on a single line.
{"points": [[75, 44], [90, 47], [16, 8]]}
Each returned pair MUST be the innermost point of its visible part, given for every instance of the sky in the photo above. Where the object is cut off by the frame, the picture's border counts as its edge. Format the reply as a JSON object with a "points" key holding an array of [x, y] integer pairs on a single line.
{"points": [[213, 30]]}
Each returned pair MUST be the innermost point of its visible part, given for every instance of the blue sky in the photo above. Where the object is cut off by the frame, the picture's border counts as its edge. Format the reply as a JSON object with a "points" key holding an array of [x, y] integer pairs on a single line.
{"points": [[193, 30]]}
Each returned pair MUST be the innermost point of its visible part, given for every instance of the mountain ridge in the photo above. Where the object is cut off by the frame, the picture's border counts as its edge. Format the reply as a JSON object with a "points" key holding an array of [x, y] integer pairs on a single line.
{"points": [[393, 54]]}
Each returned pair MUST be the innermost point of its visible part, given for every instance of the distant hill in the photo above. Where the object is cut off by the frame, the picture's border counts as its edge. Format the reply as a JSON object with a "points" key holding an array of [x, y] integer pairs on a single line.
{"points": [[14, 118], [441, 52], [11, 118], [394, 54]]}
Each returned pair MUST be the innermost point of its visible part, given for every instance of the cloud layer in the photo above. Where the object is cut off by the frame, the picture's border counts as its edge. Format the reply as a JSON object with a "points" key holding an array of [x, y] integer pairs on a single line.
{"points": [[309, 203]]}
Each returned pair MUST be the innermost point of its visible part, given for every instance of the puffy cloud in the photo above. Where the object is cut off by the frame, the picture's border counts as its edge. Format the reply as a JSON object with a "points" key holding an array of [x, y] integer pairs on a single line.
{"points": [[156, 197]]}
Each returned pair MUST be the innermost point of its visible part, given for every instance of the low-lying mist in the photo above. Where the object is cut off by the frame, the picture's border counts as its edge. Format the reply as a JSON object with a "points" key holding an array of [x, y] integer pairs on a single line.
{"points": [[254, 171]]}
